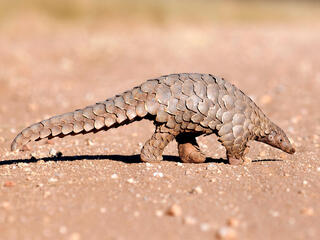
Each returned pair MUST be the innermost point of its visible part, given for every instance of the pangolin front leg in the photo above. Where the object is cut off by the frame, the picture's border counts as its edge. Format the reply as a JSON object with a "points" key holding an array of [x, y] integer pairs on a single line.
{"points": [[236, 152], [188, 148]]}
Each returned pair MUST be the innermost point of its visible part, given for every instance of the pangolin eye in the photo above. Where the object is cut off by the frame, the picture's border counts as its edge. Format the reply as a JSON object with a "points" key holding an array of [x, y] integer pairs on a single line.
{"points": [[280, 139]]}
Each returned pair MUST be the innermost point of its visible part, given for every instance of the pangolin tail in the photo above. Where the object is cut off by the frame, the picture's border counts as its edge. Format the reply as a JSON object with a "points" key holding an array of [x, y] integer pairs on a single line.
{"points": [[119, 110]]}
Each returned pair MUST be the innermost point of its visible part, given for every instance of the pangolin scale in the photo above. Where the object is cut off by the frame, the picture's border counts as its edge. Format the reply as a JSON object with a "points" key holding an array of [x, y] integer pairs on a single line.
{"points": [[182, 107]]}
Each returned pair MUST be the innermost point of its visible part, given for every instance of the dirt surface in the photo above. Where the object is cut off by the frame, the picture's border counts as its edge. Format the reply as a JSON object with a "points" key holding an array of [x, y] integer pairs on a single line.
{"points": [[98, 189]]}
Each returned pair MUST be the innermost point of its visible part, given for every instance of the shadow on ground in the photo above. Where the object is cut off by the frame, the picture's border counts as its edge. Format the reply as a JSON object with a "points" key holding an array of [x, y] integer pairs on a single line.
{"points": [[122, 158]]}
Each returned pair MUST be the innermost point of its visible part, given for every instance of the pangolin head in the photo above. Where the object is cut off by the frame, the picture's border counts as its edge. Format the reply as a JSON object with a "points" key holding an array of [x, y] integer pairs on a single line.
{"points": [[275, 137]]}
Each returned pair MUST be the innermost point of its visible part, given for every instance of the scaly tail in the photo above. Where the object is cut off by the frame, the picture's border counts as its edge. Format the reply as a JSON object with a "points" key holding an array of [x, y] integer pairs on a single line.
{"points": [[119, 110]]}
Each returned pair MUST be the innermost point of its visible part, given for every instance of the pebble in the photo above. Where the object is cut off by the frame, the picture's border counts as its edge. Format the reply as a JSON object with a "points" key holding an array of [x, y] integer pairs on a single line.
{"points": [[233, 222], [114, 176], [274, 213], [9, 184], [5, 205], [189, 220], [265, 99], [89, 142], [131, 180], [226, 233], [307, 211], [175, 210], [75, 236], [54, 153], [179, 164], [197, 189], [53, 180], [318, 169], [295, 119], [158, 174], [46, 194], [103, 210], [159, 213], [211, 167], [63, 229], [204, 227]]}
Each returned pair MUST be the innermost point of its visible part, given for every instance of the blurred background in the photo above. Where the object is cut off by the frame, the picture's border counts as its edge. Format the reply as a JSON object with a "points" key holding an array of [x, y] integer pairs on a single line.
{"points": [[60, 55], [163, 11]]}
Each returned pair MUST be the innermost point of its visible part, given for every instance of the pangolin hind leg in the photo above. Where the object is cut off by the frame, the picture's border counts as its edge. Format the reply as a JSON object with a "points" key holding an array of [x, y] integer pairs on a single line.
{"points": [[188, 148], [153, 148]]}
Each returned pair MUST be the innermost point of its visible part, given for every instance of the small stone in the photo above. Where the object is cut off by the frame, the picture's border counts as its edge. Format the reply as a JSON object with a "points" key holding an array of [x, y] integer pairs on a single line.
{"points": [[211, 167], [54, 153], [189, 220], [226, 233], [75, 236], [159, 213], [212, 180], [103, 210], [52, 180], [131, 180], [158, 174], [114, 176], [307, 211], [292, 221], [175, 210], [46, 194], [89, 142], [63, 229], [33, 155], [265, 99], [295, 119], [274, 213], [41, 161], [148, 164], [197, 189], [318, 169], [179, 164], [5, 205], [33, 107], [233, 222], [305, 182], [204, 227], [9, 184]]}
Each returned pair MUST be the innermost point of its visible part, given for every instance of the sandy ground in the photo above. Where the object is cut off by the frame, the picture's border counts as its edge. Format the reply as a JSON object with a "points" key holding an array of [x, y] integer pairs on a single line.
{"points": [[98, 189]]}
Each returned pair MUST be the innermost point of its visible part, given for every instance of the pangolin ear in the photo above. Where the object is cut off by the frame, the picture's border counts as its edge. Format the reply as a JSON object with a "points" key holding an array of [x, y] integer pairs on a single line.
{"points": [[271, 136]]}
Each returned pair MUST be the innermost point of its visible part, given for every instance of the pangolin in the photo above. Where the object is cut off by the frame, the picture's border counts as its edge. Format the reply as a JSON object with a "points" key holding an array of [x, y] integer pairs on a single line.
{"points": [[182, 107]]}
